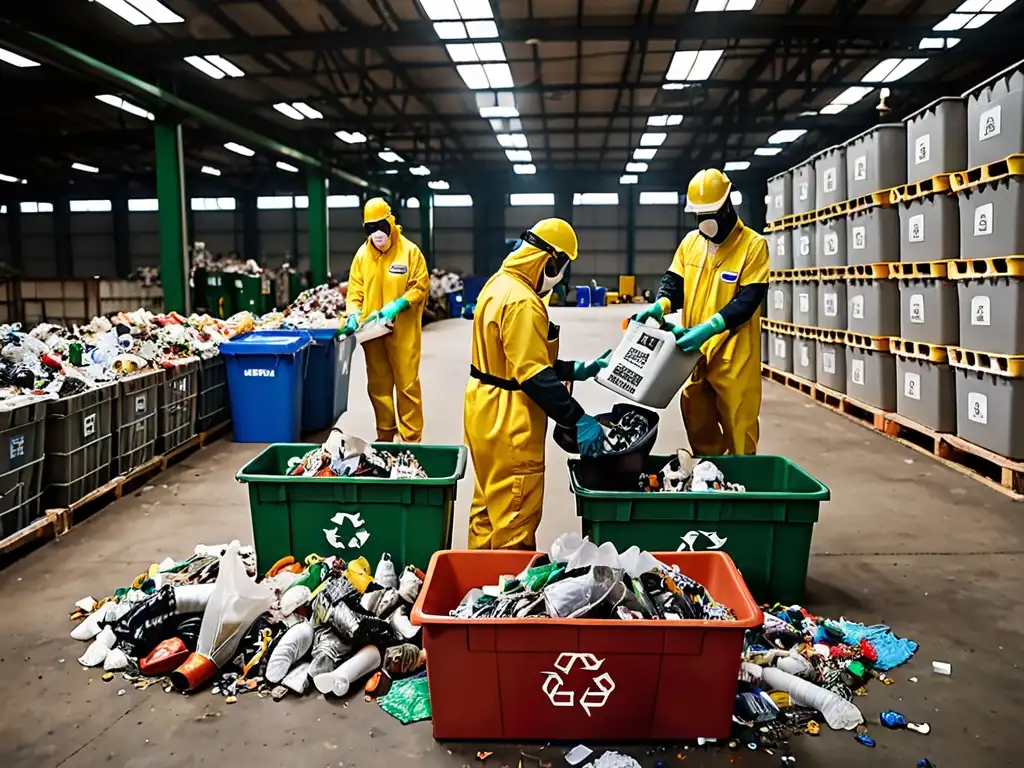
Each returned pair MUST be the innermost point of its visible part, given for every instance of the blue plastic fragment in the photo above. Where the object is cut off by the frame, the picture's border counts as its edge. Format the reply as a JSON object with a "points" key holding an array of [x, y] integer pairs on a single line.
{"points": [[866, 740]]}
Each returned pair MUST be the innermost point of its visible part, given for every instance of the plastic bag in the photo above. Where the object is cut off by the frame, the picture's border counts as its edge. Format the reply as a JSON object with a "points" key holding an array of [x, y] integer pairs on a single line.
{"points": [[408, 701]]}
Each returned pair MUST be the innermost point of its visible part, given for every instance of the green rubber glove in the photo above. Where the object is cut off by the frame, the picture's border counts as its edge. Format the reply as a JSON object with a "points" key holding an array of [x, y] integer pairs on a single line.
{"points": [[589, 436], [581, 371], [351, 325], [391, 310], [656, 310], [694, 338]]}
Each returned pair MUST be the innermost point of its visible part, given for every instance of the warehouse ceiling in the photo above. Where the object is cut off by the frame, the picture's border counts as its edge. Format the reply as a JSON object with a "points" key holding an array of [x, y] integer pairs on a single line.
{"points": [[430, 90]]}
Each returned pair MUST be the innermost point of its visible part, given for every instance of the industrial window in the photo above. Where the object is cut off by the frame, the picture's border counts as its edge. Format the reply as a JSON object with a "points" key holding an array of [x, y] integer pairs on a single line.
{"points": [[90, 206], [343, 201], [143, 204], [3, 209], [532, 198], [595, 198], [412, 202], [274, 203], [213, 203], [301, 201], [453, 201], [37, 207], [659, 198]]}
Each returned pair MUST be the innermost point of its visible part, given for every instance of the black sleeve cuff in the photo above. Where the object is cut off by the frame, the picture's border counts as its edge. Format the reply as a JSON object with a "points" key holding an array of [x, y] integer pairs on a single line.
{"points": [[671, 288], [564, 369], [743, 305], [547, 390]]}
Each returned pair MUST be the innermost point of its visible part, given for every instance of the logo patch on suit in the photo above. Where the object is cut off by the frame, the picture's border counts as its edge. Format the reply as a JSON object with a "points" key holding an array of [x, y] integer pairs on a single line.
{"points": [[730, 277], [398, 269]]}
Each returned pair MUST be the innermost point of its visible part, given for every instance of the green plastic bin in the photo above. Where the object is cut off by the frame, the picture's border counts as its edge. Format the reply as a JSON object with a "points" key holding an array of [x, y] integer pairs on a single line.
{"points": [[766, 530], [220, 294], [352, 516]]}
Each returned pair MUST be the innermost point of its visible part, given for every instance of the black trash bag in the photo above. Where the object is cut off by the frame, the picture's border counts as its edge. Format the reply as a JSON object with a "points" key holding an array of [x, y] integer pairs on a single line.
{"points": [[188, 629], [149, 623]]}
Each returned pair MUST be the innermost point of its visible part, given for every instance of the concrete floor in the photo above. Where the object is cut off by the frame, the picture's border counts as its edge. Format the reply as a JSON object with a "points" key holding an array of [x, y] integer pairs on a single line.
{"points": [[904, 541]]}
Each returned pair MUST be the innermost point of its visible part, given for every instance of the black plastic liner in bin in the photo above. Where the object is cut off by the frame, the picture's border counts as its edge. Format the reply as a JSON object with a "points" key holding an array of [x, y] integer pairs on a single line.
{"points": [[612, 471], [135, 420], [177, 402], [214, 406], [22, 448], [78, 445]]}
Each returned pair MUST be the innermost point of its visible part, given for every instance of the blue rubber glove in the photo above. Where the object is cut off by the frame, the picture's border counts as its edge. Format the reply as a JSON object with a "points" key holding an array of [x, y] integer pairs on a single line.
{"points": [[351, 325], [694, 338], [656, 310], [589, 436], [390, 311], [581, 371]]}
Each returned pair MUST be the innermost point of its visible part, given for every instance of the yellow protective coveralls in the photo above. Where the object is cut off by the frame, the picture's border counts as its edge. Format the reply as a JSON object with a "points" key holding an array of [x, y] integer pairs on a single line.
{"points": [[722, 399], [392, 361], [505, 431]]}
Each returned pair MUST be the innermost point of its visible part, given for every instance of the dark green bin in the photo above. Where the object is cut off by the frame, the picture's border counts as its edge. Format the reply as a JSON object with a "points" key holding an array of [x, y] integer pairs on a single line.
{"points": [[299, 516], [766, 530]]}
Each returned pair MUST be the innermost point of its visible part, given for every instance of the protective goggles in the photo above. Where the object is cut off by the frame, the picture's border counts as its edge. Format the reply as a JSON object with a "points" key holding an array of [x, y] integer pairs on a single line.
{"points": [[377, 226], [561, 258]]}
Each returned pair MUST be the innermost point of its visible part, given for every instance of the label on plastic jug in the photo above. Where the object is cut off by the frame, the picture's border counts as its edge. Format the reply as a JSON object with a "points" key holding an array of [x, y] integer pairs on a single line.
{"points": [[859, 238], [779, 299], [917, 308], [912, 385], [922, 149], [636, 362], [990, 123], [857, 372], [857, 307], [805, 245], [977, 407], [831, 304], [828, 361], [831, 243], [983, 223], [780, 245], [805, 356], [830, 180], [981, 310], [860, 168], [915, 228], [804, 300], [780, 347], [803, 190], [89, 425]]}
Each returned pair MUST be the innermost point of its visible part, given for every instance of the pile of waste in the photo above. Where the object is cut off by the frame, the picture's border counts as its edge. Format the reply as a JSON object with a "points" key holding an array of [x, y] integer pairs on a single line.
{"points": [[319, 307], [205, 621], [578, 579], [203, 258], [624, 431], [442, 282], [343, 455], [685, 472]]}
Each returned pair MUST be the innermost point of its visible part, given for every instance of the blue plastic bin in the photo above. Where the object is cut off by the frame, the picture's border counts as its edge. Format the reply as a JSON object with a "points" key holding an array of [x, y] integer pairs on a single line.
{"points": [[265, 385], [456, 301], [582, 295], [598, 296], [471, 287]]}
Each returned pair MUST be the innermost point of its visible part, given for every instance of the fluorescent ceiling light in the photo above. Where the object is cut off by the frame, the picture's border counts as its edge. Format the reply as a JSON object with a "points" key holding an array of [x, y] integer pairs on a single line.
{"points": [[526, 169], [10, 179], [289, 111], [438, 184], [142, 12], [644, 154], [462, 52], [157, 11], [628, 179], [440, 10], [127, 12], [980, 20], [767, 151], [676, 86], [653, 139], [693, 65], [852, 95], [238, 149], [532, 198], [997, 6], [473, 76], [636, 167], [953, 22], [213, 203], [832, 109], [209, 170], [389, 156], [490, 51], [308, 111], [481, 30], [117, 101], [595, 198], [904, 68], [786, 136], [12, 58], [36, 207], [343, 201], [659, 198], [499, 75], [890, 70], [419, 170], [736, 197], [282, 165], [274, 203], [89, 206], [206, 67], [84, 167], [495, 112], [353, 137], [143, 205], [453, 201], [450, 30], [475, 9], [412, 202], [391, 172], [301, 201], [519, 155], [513, 140], [225, 66], [932, 43], [710, 6], [737, 165], [661, 121]]}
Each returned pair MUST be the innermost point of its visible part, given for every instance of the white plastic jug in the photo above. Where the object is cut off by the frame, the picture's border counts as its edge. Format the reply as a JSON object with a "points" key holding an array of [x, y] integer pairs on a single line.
{"points": [[647, 367]]}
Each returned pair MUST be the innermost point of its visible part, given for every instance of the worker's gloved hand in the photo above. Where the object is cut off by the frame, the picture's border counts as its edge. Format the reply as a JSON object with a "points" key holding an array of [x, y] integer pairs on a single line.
{"points": [[694, 338], [351, 325], [581, 371], [656, 310], [390, 311], [589, 436]]}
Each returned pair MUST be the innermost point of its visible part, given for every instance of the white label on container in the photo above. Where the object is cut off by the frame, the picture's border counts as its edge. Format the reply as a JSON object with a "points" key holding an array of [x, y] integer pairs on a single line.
{"points": [[917, 308], [981, 310], [803, 190], [828, 361], [857, 372], [238, 284], [860, 168], [977, 407], [89, 425], [860, 237], [912, 385], [805, 356], [17, 446], [267, 373], [915, 228], [778, 204], [830, 180], [831, 243], [831, 304], [804, 300], [780, 347], [983, 222], [922, 149], [780, 300], [140, 403], [857, 307], [990, 123], [805, 245], [780, 245]]}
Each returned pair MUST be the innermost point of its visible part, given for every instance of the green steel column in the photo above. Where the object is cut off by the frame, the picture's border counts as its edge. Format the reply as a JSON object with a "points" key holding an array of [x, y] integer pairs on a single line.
{"points": [[630, 231], [427, 228], [170, 191], [318, 221]]}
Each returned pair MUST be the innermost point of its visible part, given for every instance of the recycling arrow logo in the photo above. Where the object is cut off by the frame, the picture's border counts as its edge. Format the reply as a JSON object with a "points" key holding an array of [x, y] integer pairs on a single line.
{"points": [[689, 540], [594, 697], [359, 535]]}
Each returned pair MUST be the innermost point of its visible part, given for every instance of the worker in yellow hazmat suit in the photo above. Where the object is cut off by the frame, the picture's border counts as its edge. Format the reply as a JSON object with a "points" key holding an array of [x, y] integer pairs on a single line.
{"points": [[516, 385], [389, 280], [718, 278]]}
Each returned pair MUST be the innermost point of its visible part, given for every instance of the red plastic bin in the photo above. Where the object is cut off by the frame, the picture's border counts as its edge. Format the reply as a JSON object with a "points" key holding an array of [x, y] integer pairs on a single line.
{"points": [[575, 679]]}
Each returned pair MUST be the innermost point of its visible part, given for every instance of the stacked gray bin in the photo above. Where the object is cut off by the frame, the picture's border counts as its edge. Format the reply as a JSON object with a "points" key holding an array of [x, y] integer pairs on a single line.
{"points": [[831, 364], [780, 301], [803, 247], [992, 219], [177, 405], [991, 298], [214, 407], [135, 420], [805, 300], [805, 355], [928, 304], [764, 346], [871, 376], [830, 176], [873, 236], [989, 405], [873, 301], [780, 350], [780, 195], [804, 187], [830, 242], [995, 117], [22, 450], [929, 228], [937, 139], [78, 445], [925, 386], [876, 160], [832, 302], [781, 254]]}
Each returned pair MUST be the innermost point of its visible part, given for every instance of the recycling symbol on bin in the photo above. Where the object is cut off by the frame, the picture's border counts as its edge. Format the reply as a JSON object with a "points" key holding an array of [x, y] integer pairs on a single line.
{"points": [[594, 697], [359, 536], [689, 541]]}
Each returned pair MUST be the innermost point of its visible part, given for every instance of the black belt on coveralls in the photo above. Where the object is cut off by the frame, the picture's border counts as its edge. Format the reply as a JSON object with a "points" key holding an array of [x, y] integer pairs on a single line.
{"points": [[509, 385]]}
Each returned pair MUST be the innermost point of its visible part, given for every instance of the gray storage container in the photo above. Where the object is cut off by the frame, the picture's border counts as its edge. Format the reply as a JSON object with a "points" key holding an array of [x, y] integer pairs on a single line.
{"points": [[803, 247], [780, 301], [764, 346], [937, 139], [871, 377], [781, 254], [830, 242], [832, 304], [803, 187], [22, 449], [135, 420], [830, 176], [873, 306], [780, 195], [926, 392], [780, 351], [873, 236], [990, 411], [805, 357], [992, 219], [876, 160], [831, 368], [995, 117], [805, 302], [928, 306], [177, 402], [992, 306], [930, 229], [78, 445], [214, 407]]}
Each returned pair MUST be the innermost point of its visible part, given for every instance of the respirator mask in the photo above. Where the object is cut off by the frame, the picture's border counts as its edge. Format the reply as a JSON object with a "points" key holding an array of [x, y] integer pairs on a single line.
{"points": [[717, 226], [554, 268], [379, 233]]}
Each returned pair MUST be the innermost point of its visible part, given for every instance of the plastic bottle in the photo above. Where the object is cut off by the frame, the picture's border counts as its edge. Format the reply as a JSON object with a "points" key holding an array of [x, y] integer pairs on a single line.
{"points": [[340, 680], [839, 713]]}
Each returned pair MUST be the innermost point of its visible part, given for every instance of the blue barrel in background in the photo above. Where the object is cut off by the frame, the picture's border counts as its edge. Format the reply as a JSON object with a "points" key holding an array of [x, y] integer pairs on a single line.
{"points": [[582, 295], [456, 303], [598, 296]]}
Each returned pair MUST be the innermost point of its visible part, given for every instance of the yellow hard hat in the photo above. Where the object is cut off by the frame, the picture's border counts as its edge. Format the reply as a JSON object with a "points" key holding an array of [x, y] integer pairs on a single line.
{"points": [[557, 234], [708, 191], [376, 209]]}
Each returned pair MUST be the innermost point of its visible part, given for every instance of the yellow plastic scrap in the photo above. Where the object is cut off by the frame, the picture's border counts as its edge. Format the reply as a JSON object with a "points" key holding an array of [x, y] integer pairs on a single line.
{"points": [[813, 728], [359, 573], [781, 698]]}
